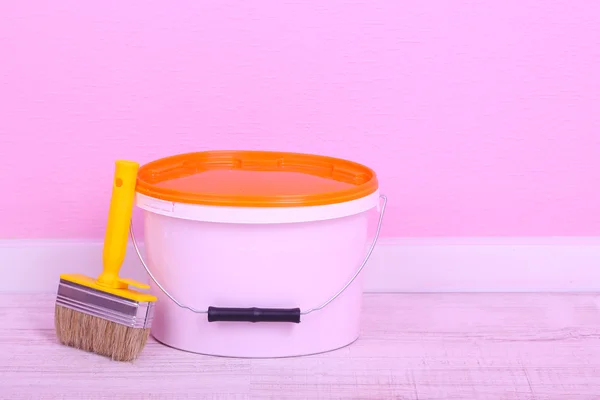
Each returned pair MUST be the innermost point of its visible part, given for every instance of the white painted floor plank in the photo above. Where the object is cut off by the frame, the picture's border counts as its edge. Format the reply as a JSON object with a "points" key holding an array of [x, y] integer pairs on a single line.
{"points": [[413, 346]]}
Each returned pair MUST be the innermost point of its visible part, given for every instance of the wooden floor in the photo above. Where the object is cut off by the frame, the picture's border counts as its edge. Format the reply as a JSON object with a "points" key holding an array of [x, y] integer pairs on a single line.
{"points": [[413, 346]]}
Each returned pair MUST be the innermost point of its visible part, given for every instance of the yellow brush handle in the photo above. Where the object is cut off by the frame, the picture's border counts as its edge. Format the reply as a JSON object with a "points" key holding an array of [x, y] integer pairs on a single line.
{"points": [[119, 218]]}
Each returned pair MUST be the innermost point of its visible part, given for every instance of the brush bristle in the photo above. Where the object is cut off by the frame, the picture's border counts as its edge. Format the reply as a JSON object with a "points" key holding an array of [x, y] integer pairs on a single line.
{"points": [[97, 335]]}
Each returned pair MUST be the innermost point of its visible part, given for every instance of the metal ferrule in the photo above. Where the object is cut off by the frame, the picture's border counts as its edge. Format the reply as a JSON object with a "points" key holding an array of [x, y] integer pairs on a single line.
{"points": [[104, 305]]}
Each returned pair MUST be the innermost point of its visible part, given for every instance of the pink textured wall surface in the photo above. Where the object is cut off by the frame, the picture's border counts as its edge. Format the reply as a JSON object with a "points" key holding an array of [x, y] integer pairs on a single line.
{"points": [[481, 118]]}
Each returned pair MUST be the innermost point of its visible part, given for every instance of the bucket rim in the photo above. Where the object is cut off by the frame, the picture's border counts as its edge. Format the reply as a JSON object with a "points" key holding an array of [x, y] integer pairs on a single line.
{"points": [[257, 215]]}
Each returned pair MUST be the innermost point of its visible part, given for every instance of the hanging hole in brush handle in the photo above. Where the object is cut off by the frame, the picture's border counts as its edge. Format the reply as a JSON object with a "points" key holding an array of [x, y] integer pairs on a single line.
{"points": [[256, 314]]}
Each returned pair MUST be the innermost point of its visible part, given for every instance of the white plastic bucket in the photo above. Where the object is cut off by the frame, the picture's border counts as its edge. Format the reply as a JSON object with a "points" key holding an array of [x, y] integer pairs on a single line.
{"points": [[304, 262]]}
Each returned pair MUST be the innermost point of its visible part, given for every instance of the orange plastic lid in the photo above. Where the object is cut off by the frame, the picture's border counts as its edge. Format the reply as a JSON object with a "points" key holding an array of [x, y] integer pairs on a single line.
{"points": [[255, 179]]}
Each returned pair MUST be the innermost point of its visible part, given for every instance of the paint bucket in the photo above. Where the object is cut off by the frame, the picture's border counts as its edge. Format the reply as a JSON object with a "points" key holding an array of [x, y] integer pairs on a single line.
{"points": [[254, 253]]}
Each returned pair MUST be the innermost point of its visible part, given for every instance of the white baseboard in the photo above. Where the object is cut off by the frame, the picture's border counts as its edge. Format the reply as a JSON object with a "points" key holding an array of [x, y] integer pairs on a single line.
{"points": [[397, 265]]}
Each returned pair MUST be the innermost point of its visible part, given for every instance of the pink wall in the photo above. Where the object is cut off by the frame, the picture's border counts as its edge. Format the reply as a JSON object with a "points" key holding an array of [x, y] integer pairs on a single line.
{"points": [[481, 118]]}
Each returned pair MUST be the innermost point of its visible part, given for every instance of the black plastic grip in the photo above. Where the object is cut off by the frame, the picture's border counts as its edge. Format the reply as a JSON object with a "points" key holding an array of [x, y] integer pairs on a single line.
{"points": [[254, 314]]}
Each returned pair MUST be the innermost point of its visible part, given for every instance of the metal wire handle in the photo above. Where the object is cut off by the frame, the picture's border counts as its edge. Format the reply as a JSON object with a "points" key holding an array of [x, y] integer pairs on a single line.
{"points": [[310, 310]]}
